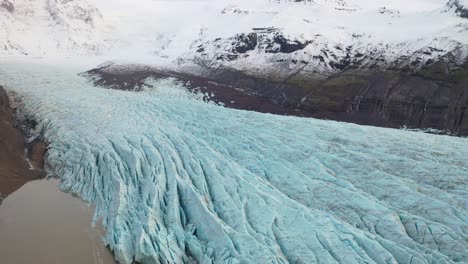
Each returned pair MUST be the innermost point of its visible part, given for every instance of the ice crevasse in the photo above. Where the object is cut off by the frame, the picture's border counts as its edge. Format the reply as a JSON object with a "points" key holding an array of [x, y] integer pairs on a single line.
{"points": [[178, 180]]}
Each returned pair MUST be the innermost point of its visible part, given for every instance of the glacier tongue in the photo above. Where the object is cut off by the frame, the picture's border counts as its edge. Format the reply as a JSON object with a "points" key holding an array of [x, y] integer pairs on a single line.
{"points": [[179, 180]]}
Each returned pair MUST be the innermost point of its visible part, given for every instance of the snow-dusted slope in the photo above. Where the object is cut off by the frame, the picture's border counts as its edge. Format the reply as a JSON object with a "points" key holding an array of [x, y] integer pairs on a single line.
{"points": [[460, 7], [325, 37], [321, 36], [317, 37], [178, 180], [51, 28]]}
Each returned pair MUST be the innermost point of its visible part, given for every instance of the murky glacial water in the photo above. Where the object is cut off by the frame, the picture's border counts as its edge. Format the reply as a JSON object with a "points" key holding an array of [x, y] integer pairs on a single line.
{"points": [[42, 225]]}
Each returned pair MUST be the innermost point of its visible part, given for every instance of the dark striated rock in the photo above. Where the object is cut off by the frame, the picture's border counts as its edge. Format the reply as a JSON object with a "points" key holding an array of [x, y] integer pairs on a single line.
{"points": [[118, 79]]}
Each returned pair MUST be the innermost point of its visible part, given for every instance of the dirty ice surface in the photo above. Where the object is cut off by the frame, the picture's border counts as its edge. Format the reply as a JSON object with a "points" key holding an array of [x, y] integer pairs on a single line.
{"points": [[178, 180]]}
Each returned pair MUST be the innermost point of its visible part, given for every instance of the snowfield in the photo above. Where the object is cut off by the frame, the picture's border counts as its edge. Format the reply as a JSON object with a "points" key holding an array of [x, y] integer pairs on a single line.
{"points": [[178, 180], [52, 28], [332, 33]]}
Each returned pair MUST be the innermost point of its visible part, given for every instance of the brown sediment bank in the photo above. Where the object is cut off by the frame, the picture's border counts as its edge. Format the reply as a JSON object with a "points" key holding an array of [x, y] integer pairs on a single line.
{"points": [[20, 162]]}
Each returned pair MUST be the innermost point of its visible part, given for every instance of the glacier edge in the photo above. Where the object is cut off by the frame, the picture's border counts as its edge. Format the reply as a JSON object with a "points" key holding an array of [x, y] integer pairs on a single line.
{"points": [[177, 180]]}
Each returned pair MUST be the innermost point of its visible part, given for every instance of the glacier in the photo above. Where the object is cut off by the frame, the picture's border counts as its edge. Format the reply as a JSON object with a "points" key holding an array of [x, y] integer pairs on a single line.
{"points": [[179, 180]]}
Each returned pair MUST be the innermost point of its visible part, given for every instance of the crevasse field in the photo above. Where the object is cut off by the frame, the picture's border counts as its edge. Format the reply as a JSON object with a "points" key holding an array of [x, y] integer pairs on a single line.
{"points": [[178, 180]]}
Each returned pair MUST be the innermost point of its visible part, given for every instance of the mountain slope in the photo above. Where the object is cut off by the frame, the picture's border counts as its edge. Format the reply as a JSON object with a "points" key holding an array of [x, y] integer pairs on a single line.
{"points": [[50, 28], [378, 63], [324, 37]]}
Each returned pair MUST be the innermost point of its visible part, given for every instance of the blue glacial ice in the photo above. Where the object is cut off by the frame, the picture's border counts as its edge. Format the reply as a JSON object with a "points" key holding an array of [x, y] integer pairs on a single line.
{"points": [[178, 180]]}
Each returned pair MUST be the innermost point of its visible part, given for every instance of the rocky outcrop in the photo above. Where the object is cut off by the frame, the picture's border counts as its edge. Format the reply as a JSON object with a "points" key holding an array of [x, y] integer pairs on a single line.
{"points": [[20, 161], [435, 96], [459, 8], [136, 78], [284, 45], [265, 40], [416, 83], [7, 5]]}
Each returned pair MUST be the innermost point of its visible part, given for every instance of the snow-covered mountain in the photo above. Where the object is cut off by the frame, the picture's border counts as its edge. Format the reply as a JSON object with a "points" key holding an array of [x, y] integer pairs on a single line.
{"points": [[325, 37], [320, 36], [51, 28]]}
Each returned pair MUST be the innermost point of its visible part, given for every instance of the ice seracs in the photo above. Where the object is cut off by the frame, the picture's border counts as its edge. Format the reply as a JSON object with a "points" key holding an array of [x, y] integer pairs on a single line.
{"points": [[178, 180]]}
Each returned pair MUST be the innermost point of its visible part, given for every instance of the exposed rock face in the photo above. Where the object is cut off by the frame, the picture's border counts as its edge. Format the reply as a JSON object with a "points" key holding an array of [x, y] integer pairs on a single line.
{"points": [[7, 5], [15, 170], [460, 9], [434, 96], [265, 40], [135, 77], [285, 45], [417, 83], [246, 42]]}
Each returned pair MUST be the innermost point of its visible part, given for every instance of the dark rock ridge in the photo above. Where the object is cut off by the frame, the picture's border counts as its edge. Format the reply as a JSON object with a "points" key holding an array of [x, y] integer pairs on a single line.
{"points": [[268, 40], [435, 96], [133, 78], [371, 85], [5, 4], [461, 10], [285, 45]]}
